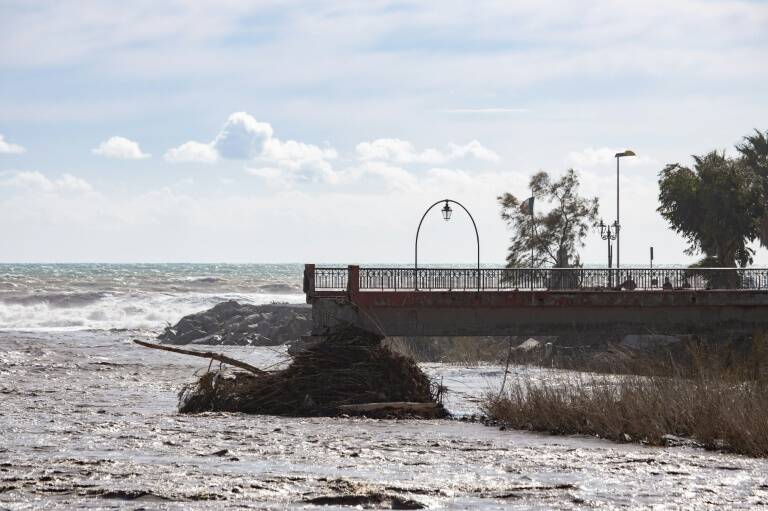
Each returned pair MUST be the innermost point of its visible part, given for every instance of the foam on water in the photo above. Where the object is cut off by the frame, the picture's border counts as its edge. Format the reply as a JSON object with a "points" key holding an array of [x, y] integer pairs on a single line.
{"points": [[150, 311]]}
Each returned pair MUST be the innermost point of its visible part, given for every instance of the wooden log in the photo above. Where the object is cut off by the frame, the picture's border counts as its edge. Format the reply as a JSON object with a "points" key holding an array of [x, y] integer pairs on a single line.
{"points": [[202, 354]]}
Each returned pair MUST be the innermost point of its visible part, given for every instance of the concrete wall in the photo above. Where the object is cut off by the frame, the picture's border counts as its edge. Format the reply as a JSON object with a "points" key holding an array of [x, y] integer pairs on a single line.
{"points": [[612, 313]]}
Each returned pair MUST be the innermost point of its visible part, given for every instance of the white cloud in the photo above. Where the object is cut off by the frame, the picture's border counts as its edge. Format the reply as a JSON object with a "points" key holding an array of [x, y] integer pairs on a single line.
{"points": [[121, 148], [300, 161], [295, 153], [474, 149], [281, 162], [192, 152], [9, 148], [36, 181], [591, 157], [242, 137], [400, 151]]}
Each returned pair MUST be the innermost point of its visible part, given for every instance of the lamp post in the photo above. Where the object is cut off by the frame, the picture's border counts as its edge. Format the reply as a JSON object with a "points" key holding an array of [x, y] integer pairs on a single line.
{"points": [[606, 234], [446, 212], [617, 224]]}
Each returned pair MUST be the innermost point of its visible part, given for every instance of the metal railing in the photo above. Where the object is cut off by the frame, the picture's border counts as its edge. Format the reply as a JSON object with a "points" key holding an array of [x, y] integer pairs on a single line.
{"points": [[522, 279], [331, 279]]}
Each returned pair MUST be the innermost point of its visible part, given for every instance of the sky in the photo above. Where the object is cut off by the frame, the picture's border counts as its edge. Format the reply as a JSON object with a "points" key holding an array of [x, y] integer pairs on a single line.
{"points": [[259, 131]]}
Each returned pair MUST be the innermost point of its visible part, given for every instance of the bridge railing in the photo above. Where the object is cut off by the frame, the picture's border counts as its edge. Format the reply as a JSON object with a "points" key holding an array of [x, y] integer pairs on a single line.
{"points": [[522, 279], [331, 279]]}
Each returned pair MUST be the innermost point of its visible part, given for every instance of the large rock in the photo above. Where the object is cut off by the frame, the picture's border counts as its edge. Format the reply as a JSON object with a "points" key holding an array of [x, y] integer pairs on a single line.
{"points": [[233, 323]]}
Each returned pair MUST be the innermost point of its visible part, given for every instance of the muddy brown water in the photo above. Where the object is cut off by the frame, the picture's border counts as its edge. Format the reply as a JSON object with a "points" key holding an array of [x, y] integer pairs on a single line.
{"points": [[88, 420]]}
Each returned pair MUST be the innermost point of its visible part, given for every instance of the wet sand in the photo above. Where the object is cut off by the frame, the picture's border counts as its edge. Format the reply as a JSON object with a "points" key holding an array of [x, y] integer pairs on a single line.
{"points": [[88, 420]]}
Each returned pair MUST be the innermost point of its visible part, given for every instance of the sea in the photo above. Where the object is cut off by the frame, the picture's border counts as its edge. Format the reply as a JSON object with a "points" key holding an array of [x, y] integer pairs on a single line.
{"points": [[70, 297]]}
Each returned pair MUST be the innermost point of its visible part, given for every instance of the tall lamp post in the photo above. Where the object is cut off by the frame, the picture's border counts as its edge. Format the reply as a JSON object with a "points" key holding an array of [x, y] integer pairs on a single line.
{"points": [[606, 234], [446, 212], [617, 224]]}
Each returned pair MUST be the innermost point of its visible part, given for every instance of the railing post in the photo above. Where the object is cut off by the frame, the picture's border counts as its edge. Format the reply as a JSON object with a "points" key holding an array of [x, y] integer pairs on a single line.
{"points": [[353, 278], [309, 280]]}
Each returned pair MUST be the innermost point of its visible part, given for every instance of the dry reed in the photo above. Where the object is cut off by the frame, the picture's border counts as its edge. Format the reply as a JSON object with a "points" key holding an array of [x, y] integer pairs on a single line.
{"points": [[718, 399]]}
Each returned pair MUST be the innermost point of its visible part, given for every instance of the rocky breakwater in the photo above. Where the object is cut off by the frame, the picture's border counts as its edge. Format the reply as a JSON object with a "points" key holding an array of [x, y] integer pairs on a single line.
{"points": [[234, 323]]}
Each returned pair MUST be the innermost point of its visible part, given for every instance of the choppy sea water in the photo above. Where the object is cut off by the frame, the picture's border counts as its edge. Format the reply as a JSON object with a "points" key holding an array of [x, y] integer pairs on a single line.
{"points": [[133, 296], [88, 419]]}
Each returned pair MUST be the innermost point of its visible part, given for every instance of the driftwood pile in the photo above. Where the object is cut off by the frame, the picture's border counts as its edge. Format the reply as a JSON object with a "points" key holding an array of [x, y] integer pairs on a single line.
{"points": [[349, 372]]}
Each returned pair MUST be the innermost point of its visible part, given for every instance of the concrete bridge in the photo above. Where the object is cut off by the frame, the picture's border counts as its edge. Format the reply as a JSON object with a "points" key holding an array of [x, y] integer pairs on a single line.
{"points": [[535, 301]]}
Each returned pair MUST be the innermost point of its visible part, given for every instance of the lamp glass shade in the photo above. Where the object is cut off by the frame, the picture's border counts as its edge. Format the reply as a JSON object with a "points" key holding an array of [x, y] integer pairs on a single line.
{"points": [[447, 212]]}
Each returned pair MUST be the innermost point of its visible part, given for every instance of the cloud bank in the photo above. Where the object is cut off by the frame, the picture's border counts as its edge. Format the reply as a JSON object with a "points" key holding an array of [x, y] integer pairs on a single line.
{"points": [[285, 163]]}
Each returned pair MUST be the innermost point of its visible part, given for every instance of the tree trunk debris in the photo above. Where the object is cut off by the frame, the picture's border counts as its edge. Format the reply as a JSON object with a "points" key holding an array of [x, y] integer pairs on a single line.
{"points": [[203, 354]]}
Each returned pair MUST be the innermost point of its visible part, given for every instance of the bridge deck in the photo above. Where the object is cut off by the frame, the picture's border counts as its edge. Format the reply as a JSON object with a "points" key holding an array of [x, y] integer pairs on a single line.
{"points": [[448, 302]]}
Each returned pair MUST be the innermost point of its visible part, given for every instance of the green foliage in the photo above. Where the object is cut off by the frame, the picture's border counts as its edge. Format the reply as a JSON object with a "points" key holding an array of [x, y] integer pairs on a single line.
{"points": [[716, 206], [556, 235], [754, 151]]}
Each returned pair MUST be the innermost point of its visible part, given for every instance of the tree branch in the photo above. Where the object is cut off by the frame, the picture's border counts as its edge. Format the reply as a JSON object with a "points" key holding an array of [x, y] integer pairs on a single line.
{"points": [[202, 354]]}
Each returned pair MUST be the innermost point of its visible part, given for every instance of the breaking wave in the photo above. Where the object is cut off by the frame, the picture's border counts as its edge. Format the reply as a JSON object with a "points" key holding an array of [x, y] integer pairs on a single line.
{"points": [[108, 311], [56, 300]]}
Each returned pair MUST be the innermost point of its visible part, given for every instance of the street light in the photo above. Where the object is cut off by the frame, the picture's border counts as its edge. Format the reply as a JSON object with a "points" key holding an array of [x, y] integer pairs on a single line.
{"points": [[617, 224], [446, 211], [606, 234]]}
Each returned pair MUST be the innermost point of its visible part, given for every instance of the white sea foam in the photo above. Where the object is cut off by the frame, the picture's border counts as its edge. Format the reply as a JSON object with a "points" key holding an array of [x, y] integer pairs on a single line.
{"points": [[105, 311]]}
